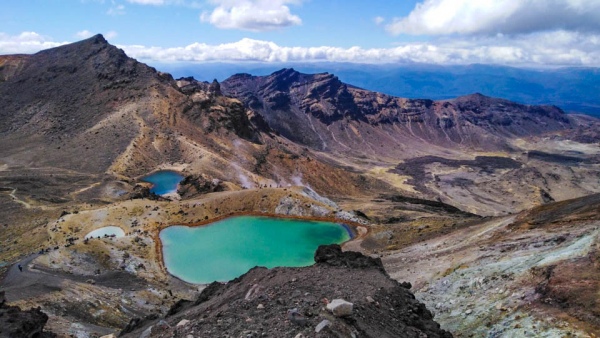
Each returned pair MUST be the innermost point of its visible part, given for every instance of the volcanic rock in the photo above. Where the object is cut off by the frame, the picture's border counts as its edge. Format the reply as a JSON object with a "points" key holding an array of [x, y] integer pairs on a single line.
{"points": [[221, 306], [15, 322], [340, 308]]}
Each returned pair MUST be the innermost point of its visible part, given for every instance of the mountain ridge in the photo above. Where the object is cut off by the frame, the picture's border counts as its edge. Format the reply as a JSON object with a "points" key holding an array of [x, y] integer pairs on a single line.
{"points": [[325, 98], [88, 79], [573, 89]]}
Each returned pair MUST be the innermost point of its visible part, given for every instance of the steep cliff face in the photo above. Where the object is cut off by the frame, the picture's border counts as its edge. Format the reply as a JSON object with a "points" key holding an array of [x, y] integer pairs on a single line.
{"points": [[322, 112]]}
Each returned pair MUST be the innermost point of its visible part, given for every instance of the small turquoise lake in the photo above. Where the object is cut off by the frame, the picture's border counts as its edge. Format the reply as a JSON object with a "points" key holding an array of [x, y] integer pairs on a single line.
{"points": [[163, 182], [226, 249]]}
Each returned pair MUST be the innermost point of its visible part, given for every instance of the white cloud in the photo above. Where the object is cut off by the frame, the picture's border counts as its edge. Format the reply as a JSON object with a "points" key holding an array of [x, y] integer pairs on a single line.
{"points": [[84, 34], [26, 42], [378, 20], [559, 48], [110, 35], [443, 17], [252, 15]]}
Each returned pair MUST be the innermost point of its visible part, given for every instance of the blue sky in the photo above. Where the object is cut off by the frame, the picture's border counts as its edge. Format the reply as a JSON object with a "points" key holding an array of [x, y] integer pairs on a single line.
{"points": [[339, 23], [512, 32]]}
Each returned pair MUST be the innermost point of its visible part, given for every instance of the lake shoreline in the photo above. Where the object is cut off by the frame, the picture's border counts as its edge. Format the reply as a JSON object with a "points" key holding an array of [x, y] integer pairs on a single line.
{"points": [[356, 231]]}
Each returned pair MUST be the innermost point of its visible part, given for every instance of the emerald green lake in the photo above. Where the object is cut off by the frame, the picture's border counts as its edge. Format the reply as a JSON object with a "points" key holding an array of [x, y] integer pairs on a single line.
{"points": [[226, 249]]}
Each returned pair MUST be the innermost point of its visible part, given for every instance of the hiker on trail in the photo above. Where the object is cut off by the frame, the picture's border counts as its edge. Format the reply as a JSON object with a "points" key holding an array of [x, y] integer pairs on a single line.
{"points": [[20, 267]]}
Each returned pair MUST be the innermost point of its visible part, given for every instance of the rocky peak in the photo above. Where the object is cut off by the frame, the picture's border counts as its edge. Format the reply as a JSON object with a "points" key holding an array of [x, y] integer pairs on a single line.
{"points": [[60, 93], [285, 73], [505, 112], [478, 99], [215, 88], [98, 38], [280, 81], [189, 85], [83, 50], [322, 95]]}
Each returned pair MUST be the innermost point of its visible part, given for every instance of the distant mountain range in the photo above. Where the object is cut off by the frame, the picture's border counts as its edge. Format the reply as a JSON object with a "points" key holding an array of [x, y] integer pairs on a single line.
{"points": [[571, 89]]}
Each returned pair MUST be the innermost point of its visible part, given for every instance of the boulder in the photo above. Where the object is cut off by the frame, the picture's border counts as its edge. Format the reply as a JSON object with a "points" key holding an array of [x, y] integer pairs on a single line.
{"points": [[340, 308]]}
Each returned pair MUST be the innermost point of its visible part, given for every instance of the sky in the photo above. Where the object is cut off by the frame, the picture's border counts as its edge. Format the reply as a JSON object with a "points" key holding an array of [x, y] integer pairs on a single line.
{"points": [[520, 33]]}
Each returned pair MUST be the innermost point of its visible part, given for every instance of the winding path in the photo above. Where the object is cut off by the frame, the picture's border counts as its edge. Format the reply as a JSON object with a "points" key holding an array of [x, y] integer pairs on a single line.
{"points": [[16, 199], [28, 283], [32, 282]]}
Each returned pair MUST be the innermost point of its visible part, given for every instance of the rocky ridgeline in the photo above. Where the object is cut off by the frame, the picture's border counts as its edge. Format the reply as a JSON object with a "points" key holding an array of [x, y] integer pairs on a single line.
{"points": [[321, 104], [345, 294]]}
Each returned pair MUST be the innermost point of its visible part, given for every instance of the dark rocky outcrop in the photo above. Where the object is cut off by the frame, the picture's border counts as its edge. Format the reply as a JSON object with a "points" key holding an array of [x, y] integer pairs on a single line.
{"points": [[15, 322], [142, 191], [287, 98], [261, 301], [333, 255], [415, 168], [431, 205], [198, 184], [208, 108]]}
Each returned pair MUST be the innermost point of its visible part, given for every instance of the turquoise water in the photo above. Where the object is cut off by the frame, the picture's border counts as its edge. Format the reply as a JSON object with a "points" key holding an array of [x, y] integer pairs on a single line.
{"points": [[229, 248], [163, 182], [110, 230]]}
